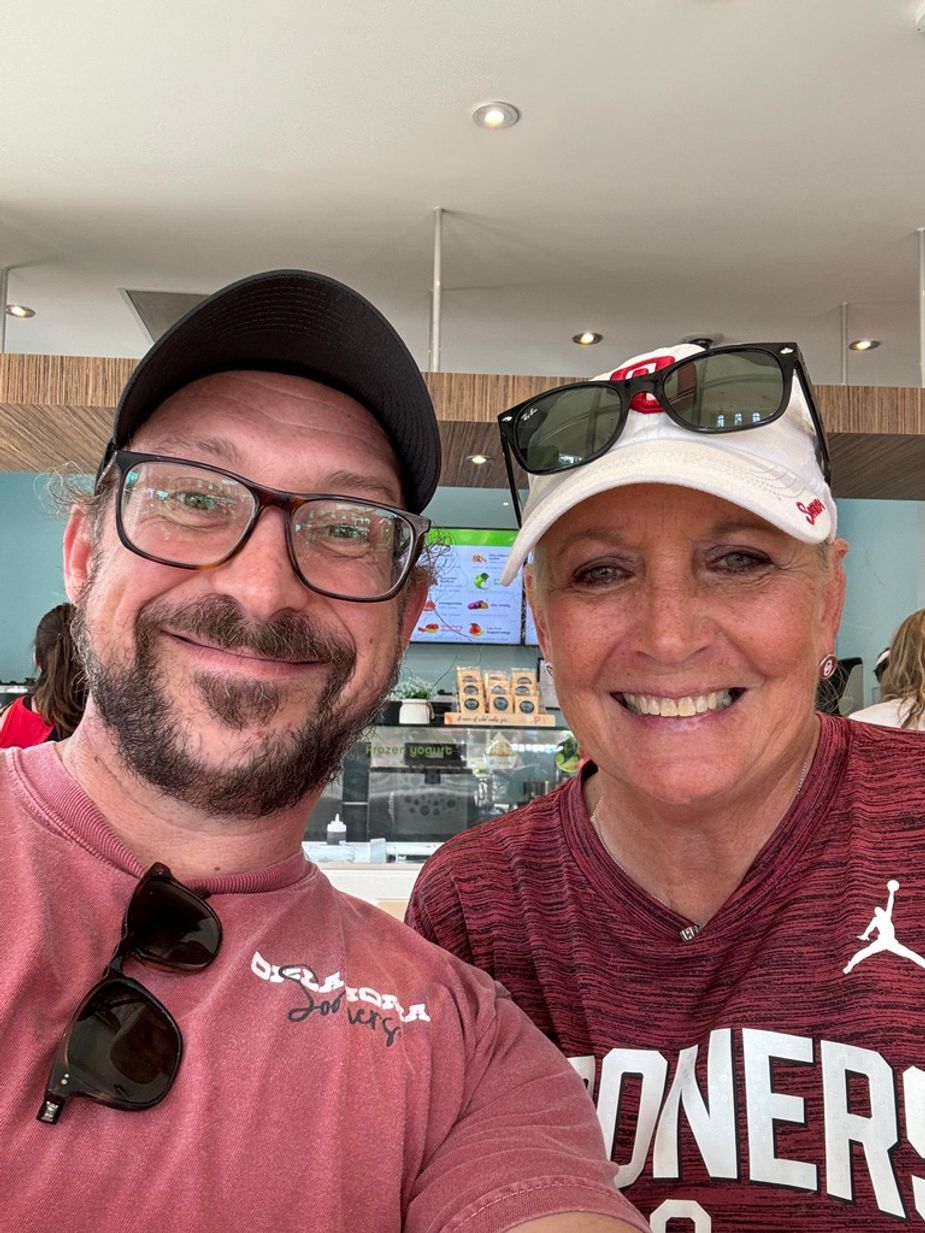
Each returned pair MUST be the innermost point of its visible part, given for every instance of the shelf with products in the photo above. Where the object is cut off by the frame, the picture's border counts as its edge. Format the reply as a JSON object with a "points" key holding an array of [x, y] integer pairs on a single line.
{"points": [[418, 786]]}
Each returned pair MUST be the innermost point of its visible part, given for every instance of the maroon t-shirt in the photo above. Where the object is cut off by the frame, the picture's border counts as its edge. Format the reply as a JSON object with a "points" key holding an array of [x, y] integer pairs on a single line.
{"points": [[744, 1079]]}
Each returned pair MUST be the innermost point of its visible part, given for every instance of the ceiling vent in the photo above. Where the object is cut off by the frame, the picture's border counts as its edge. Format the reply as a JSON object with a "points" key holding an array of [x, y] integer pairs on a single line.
{"points": [[158, 310]]}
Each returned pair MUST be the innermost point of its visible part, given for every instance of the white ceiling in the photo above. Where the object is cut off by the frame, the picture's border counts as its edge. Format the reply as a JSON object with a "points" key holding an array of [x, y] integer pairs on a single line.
{"points": [[734, 166]]}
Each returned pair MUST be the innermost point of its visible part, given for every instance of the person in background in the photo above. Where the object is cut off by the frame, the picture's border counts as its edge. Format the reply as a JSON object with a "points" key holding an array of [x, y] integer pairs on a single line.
{"points": [[53, 708], [246, 577], [902, 679], [721, 918]]}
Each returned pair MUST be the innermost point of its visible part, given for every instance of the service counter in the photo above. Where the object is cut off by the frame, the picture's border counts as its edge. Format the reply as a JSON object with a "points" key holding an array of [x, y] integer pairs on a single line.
{"points": [[415, 786], [388, 886]]}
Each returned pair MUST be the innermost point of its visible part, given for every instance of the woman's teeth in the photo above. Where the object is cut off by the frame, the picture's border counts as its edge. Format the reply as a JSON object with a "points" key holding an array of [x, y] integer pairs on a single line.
{"points": [[693, 704]]}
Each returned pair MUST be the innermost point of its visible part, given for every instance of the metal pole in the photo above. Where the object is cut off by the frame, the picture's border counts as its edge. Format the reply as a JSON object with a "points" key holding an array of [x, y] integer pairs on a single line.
{"points": [[4, 283], [844, 344], [436, 291], [920, 232]]}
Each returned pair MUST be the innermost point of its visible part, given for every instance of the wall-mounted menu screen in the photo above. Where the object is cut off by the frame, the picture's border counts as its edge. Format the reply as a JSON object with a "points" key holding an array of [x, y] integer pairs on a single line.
{"points": [[467, 603]]}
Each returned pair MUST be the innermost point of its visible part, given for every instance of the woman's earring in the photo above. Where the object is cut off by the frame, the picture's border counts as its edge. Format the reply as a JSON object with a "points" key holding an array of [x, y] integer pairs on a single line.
{"points": [[827, 666], [549, 667]]}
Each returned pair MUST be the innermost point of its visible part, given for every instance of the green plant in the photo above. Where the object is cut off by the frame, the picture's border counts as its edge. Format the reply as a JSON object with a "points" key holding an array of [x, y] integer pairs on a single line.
{"points": [[568, 755], [413, 687]]}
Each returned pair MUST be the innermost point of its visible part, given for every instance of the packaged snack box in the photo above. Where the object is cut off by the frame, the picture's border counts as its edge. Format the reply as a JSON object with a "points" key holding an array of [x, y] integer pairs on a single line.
{"points": [[501, 704], [528, 703], [470, 694]]}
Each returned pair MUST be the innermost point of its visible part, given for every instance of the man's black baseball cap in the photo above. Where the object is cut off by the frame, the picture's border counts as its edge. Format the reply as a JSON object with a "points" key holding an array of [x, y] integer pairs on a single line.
{"points": [[294, 321]]}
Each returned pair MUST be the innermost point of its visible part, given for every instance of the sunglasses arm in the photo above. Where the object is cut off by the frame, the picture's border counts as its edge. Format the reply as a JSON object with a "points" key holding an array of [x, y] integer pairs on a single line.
{"points": [[511, 481], [51, 1109]]}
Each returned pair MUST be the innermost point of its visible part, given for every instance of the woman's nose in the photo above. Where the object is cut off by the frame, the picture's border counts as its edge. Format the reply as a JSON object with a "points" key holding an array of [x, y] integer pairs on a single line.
{"points": [[673, 622]]}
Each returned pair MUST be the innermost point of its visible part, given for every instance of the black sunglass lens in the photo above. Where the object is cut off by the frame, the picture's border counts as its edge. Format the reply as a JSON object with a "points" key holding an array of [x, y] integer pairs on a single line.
{"points": [[562, 429], [121, 1048], [169, 924], [727, 390]]}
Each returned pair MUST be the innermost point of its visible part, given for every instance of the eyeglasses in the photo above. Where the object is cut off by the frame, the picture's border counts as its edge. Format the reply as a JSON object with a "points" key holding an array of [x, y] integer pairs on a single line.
{"points": [[194, 516], [122, 1046], [722, 390]]}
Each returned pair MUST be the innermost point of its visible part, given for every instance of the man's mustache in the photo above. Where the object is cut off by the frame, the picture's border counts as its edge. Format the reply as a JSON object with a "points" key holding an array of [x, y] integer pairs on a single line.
{"points": [[221, 622]]}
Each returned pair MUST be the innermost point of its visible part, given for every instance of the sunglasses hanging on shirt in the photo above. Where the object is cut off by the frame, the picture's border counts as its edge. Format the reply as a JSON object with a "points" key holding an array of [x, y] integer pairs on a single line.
{"points": [[122, 1047]]}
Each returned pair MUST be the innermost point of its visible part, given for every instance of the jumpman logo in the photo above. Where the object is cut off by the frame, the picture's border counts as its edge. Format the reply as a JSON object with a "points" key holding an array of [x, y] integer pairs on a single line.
{"points": [[883, 925]]}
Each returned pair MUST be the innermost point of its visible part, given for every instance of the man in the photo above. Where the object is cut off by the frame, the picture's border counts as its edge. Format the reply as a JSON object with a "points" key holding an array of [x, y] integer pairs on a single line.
{"points": [[287, 1058]]}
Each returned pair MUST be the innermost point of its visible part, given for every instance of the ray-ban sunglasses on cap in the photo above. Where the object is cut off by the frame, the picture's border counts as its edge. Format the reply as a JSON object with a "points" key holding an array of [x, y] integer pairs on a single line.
{"points": [[716, 391], [122, 1047]]}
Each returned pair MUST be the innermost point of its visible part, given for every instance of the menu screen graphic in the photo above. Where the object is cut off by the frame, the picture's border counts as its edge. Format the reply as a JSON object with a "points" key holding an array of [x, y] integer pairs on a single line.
{"points": [[467, 603]]}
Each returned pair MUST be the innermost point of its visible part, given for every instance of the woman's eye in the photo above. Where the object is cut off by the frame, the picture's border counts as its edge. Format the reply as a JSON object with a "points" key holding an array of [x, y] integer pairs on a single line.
{"points": [[599, 574], [739, 561]]}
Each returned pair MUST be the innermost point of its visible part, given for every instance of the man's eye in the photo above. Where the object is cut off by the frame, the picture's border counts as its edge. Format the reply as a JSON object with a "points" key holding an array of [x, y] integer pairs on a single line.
{"points": [[205, 502], [188, 503], [348, 531]]}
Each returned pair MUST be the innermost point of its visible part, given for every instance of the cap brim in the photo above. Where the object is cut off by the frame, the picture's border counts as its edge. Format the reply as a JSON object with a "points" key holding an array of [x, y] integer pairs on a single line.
{"points": [[304, 323], [773, 493]]}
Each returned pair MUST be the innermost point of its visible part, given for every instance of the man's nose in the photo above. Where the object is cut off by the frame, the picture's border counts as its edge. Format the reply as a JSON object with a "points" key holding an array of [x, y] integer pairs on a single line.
{"points": [[260, 576]]}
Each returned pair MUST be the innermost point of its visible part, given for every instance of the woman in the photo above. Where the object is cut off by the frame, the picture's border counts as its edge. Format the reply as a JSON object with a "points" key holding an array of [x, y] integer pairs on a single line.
{"points": [[720, 918], [54, 707], [902, 684]]}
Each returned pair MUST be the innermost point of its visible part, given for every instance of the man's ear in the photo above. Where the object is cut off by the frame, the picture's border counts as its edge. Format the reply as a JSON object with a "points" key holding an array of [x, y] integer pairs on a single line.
{"points": [[414, 605], [78, 554]]}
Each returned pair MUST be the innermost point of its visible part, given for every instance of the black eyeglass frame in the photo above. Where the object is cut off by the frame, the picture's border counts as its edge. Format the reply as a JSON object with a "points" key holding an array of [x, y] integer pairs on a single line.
{"points": [[55, 1099], [787, 355], [269, 498]]}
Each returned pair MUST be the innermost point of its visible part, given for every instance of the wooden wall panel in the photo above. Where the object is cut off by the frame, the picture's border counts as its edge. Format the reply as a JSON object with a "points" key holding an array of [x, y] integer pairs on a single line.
{"points": [[890, 466], [89, 381], [56, 411], [871, 408], [481, 397]]}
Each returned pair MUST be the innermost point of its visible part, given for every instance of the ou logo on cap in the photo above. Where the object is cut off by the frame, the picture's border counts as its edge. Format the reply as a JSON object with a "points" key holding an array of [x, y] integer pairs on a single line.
{"points": [[646, 403]]}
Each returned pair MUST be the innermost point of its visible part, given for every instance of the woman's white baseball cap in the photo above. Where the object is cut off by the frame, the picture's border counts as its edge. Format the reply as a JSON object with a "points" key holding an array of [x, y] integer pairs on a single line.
{"points": [[772, 470]]}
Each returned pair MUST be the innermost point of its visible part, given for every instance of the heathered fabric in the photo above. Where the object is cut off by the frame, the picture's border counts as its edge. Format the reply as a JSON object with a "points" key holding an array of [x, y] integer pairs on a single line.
{"points": [[386, 1087], [744, 1081]]}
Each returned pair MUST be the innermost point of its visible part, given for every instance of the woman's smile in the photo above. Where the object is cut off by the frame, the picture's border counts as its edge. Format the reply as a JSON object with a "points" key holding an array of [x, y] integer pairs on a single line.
{"points": [[685, 706]]}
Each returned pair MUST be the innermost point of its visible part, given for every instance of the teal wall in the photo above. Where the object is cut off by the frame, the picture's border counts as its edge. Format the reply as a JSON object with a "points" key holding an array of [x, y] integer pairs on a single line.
{"points": [[885, 568], [30, 567]]}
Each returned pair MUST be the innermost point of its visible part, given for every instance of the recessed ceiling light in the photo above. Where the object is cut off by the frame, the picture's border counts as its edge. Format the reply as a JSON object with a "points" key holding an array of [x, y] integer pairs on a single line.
{"points": [[864, 344], [587, 339], [496, 115], [20, 310], [477, 460]]}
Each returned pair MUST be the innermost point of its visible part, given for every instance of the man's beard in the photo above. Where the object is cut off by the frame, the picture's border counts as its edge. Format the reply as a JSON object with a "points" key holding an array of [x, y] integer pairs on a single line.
{"points": [[277, 769]]}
